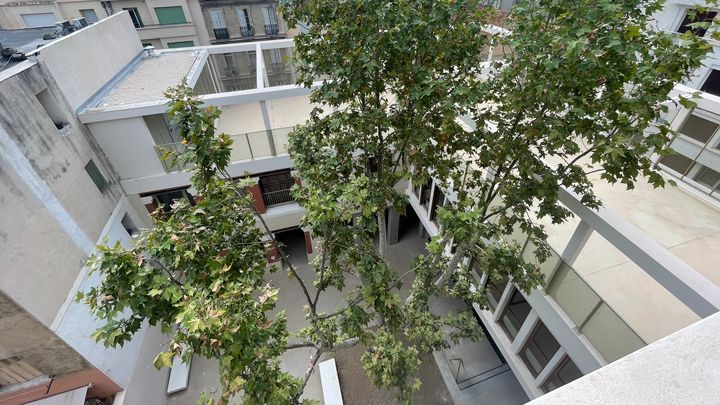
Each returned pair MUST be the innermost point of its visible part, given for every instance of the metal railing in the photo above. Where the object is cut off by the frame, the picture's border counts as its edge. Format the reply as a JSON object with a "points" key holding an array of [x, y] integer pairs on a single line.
{"points": [[604, 328], [247, 32], [278, 197], [221, 33], [248, 146], [271, 29]]}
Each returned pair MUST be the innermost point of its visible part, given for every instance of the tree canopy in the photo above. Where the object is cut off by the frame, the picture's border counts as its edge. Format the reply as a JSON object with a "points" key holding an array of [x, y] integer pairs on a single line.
{"points": [[404, 93]]}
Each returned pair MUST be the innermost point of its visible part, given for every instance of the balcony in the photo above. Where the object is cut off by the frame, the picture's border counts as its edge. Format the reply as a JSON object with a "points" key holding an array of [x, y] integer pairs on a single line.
{"points": [[221, 33], [246, 147], [276, 188], [247, 32], [271, 29]]}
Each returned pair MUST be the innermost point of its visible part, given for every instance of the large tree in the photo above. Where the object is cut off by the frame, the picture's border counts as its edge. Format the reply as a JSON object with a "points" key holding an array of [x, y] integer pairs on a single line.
{"points": [[580, 82]]}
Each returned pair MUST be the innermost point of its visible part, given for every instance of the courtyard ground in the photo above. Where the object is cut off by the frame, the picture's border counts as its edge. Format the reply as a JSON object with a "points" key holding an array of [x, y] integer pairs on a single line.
{"points": [[469, 373]]}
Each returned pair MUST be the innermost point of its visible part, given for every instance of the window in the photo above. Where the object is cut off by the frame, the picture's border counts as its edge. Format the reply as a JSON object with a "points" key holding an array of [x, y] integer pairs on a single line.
{"points": [[271, 27], [698, 128], [539, 349], [424, 193], [52, 109], [277, 65], [564, 373], [219, 25], [181, 44], [712, 83], [515, 313], [135, 17], [707, 176], [494, 290], [89, 15], [438, 201], [693, 16], [170, 15], [275, 188], [129, 225], [677, 162], [246, 29], [100, 182]]}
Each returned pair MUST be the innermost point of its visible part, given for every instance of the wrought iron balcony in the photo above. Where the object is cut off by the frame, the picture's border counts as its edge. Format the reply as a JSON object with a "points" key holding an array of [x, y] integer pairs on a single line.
{"points": [[221, 33], [271, 29]]}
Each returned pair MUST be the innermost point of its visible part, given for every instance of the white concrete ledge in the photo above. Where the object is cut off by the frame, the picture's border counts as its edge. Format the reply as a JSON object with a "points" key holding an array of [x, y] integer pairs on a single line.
{"points": [[681, 368], [330, 383]]}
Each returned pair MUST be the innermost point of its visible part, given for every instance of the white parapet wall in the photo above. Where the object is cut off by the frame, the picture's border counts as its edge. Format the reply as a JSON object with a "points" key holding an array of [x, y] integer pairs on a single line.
{"points": [[681, 368]]}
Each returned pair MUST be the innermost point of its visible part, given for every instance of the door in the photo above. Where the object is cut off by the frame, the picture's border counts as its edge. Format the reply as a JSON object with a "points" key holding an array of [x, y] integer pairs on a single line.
{"points": [[39, 20], [269, 19]]}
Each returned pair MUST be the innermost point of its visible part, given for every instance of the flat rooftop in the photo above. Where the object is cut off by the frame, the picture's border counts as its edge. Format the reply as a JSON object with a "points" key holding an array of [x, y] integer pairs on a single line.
{"points": [[147, 78]]}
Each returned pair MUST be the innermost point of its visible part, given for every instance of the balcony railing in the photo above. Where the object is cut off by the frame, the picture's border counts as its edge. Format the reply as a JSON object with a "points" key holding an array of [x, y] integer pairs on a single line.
{"points": [[278, 197], [271, 29], [248, 146], [247, 32], [611, 336], [221, 33]]}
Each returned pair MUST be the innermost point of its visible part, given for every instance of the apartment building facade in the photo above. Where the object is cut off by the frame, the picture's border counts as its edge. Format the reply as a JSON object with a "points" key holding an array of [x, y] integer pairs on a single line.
{"points": [[89, 167], [159, 23], [243, 20]]}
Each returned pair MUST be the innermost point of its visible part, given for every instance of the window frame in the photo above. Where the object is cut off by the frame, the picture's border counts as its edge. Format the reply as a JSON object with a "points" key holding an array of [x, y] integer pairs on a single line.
{"points": [[97, 176], [505, 311], [135, 16], [529, 341]]}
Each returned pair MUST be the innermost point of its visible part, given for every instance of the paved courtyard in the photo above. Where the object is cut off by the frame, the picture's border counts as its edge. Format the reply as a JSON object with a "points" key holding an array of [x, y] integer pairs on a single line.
{"points": [[469, 373]]}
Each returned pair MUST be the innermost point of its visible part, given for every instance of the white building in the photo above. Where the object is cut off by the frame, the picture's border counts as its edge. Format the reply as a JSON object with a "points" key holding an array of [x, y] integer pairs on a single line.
{"points": [[80, 150]]}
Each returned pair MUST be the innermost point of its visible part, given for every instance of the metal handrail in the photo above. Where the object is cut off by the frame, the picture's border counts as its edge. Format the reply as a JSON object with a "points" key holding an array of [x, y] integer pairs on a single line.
{"points": [[278, 197], [271, 29]]}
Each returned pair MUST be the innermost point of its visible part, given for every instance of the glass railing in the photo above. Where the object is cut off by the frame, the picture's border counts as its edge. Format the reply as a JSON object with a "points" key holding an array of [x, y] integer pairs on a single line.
{"points": [[248, 146], [611, 336]]}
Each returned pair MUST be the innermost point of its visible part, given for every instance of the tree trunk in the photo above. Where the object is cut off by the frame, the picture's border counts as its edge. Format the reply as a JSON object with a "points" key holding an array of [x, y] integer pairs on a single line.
{"points": [[382, 232]]}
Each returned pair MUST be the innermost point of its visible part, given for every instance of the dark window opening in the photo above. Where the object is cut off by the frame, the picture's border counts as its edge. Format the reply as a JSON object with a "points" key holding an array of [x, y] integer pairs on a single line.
{"points": [[707, 177], [514, 314], [698, 128], [565, 372], [438, 202], [100, 182], [540, 348], [167, 199], [677, 162], [699, 17], [712, 83], [129, 225], [135, 17], [52, 109], [494, 289]]}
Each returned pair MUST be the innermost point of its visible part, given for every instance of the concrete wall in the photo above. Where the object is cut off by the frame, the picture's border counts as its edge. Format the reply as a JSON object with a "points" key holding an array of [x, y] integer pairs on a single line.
{"points": [[110, 46], [52, 212], [24, 337], [129, 146]]}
